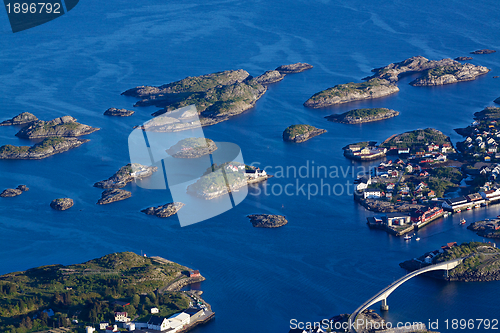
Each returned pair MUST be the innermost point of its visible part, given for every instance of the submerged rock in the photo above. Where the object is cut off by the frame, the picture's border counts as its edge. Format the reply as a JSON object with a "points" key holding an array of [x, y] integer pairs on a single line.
{"points": [[267, 220], [118, 112], [164, 210], [114, 195], [21, 119], [10, 192], [294, 68], [483, 51], [61, 204], [301, 133]]}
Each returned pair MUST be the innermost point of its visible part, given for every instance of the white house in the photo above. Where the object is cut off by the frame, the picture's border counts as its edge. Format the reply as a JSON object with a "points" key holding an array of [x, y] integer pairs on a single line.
{"points": [[255, 173], [121, 317], [158, 323], [89, 329], [103, 325], [372, 194], [154, 310], [182, 317]]}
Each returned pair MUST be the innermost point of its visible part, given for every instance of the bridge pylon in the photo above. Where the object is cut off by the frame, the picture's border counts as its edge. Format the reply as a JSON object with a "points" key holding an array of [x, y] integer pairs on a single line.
{"points": [[383, 305]]}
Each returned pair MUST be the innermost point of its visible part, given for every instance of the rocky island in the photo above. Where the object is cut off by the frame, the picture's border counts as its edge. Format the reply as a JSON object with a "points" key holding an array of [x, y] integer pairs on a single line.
{"points": [[267, 220], [192, 148], [217, 183], [14, 192], [435, 72], [486, 228], [66, 126], [118, 112], [217, 96], [46, 148], [21, 119], [125, 175], [113, 195], [449, 74], [481, 263], [301, 133], [61, 204], [483, 51], [166, 210], [359, 116], [349, 92], [294, 68]]}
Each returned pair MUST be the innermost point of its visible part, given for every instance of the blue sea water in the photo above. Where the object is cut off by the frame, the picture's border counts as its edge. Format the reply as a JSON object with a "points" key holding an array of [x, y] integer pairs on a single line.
{"points": [[325, 261]]}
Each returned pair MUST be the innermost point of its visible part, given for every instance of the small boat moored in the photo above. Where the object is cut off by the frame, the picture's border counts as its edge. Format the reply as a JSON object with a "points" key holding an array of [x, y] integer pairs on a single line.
{"points": [[462, 221], [408, 237]]}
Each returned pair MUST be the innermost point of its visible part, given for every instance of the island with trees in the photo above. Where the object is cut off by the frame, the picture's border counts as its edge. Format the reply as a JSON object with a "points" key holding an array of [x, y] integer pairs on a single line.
{"points": [[301, 133], [359, 116], [192, 148]]}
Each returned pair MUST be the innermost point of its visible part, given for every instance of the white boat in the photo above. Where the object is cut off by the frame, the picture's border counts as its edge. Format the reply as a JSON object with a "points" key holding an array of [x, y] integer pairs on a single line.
{"points": [[417, 239], [462, 221], [408, 237]]}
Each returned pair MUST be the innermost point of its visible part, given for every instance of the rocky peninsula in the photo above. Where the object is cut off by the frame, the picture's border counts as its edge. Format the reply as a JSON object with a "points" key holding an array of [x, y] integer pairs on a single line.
{"points": [[294, 68], [166, 210], [416, 138], [46, 148], [21, 119], [359, 116], [486, 228], [66, 126], [301, 133], [435, 72], [267, 220], [481, 263], [61, 204], [125, 175], [118, 112], [349, 92], [192, 148], [113, 195]]}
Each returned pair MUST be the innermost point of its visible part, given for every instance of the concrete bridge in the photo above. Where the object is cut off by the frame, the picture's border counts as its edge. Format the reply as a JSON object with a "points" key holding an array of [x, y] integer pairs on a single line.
{"points": [[384, 293]]}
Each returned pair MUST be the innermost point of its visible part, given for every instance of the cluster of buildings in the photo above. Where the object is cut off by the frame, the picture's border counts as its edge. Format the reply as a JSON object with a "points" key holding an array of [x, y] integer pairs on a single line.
{"points": [[474, 200], [417, 218], [173, 324], [357, 152], [483, 141]]}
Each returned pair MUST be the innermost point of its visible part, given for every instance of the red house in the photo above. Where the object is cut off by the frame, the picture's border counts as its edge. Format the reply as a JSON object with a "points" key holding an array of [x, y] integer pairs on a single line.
{"points": [[194, 273]]}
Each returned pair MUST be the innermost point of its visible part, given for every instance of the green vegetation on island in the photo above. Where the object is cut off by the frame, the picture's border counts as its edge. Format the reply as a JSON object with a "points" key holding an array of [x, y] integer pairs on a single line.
{"points": [[447, 74], [125, 175], [61, 127], [192, 148], [358, 116], [90, 292], [43, 149], [301, 133], [416, 139], [348, 92]]}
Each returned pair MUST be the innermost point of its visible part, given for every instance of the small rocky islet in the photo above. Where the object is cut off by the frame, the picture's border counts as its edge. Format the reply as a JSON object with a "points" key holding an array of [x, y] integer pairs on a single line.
{"points": [[118, 112], [267, 220], [61, 204], [21, 119], [125, 175], [192, 148], [113, 195], [301, 133], [164, 211], [359, 116], [463, 58], [483, 51], [43, 149], [14, 192], [66, 126]]}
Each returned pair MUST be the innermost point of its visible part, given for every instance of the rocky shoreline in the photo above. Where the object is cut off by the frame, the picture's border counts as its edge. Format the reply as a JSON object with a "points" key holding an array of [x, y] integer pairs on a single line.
{"points": [[379, 206], [486, 228], [301, 133], [450, 74], [46, 148], [164, 211], [347, 118], [267, 220], [21, 119]]}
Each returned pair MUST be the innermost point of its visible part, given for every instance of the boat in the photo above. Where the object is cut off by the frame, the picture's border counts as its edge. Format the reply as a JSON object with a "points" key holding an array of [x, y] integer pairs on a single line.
{"points": [[469, 208], [417, 239], [446, 214], [477, 206], [462, 221], [458, 210], [408, 237]]}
